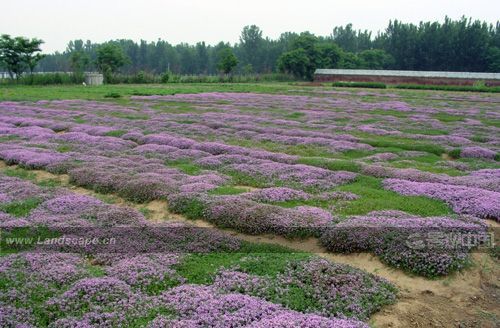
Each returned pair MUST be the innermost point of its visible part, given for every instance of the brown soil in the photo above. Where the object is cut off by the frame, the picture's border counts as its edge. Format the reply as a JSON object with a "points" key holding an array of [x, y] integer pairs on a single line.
{"points": [[470, 298]]}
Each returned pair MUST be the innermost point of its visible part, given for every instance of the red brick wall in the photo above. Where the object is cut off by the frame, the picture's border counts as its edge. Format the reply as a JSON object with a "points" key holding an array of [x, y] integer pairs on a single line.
{"points": [[399, 80]]}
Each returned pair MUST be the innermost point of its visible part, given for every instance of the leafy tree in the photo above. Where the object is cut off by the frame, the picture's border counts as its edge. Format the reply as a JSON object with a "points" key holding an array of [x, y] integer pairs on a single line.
{"points": [[296, 62], [110, 57], [459, 45], [375, 59], [31, 52], [79, 59], [227, 61], [252, 44], [19, 54], [348, 60], [308, 54], [494, 59], [327, 55]]}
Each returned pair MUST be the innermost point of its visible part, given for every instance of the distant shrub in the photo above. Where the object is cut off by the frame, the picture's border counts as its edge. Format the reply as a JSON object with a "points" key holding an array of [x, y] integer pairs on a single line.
{"points": [[374, 85], [112, 95], [47, 79], [165, 77], [455, 153], [467, 88]]}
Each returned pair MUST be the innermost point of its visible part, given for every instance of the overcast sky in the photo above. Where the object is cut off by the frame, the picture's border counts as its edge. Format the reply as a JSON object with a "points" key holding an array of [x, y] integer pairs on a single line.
{"points": [[58, 21]]}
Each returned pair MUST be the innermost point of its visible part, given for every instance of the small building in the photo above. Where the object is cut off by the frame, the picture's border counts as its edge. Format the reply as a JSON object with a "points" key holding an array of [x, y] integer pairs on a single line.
{"points": [[94, 78], [406, 77]]}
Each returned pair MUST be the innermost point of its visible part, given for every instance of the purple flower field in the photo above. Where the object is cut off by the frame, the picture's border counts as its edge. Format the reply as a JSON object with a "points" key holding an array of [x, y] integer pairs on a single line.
{"points": [[357, 172]]}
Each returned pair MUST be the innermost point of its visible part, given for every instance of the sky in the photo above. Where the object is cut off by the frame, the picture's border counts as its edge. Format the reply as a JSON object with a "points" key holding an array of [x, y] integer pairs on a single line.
{"points": [[59, 21]]}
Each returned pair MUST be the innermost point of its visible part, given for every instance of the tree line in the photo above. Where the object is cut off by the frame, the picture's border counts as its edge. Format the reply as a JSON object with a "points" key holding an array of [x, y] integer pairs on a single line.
{"points": [[452, 45]]}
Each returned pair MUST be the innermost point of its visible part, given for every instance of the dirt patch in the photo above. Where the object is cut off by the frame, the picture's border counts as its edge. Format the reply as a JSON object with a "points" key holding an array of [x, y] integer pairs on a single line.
{"points": [[470, 298], [447, 157], [247, 188]]}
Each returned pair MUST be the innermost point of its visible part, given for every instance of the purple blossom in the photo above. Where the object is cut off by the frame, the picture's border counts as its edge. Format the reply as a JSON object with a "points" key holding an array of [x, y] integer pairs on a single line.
{"points": [[464, 200], [477, 152], [276, 194]]}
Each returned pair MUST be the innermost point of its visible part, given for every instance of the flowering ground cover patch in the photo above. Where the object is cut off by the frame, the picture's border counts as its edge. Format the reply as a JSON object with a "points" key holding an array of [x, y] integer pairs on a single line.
{"points": [[134, 281], [361, 171]]}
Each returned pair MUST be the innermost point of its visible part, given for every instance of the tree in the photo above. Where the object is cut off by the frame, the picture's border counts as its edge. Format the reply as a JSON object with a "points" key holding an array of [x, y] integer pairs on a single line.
{"points": [[252, 43], [19, 54], [308, 54], [110, 57], [295, 62], [494, 59], [327, 55], [376, 59], [349, 60], [227, 60], [31, 52], [79, 59]]}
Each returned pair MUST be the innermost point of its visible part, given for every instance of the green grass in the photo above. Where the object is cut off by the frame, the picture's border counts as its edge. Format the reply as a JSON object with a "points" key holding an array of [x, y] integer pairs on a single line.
{"points": [[25, 174], [299, 150], [331, 164], [400, 143], [375, 198], [227, 190], [295, 115], [64, 148], [448, 118], [34, 93], [175, 107], [9, 138], [20, 208], [428, 132], [491, 122], [128, 116], [258, 259], [115, 133], [461, 88], [185, 166], [19, 172]]}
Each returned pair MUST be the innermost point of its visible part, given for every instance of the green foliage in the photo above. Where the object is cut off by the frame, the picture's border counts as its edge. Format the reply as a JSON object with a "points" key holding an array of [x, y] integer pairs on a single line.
{"points": [[19, 54], [448, 118], [455, 153], [112, 95], [331, 164], [227, 61], [185, 166], [427, 46], [403, 143], [165, 77], [258, 259], [307, 54], [20, 208], [227, 190], [375, 59], [51, 79], [115, 133], [464, 88], [110, 57], [64, 148], [375, 198], [297, 63]]}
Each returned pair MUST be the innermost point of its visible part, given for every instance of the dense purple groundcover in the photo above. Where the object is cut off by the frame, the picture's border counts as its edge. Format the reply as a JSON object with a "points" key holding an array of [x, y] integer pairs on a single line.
{"points": [[157, 149], [425, 246], [147, 255], [465, 200], [203, 306], [336, 289]]}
